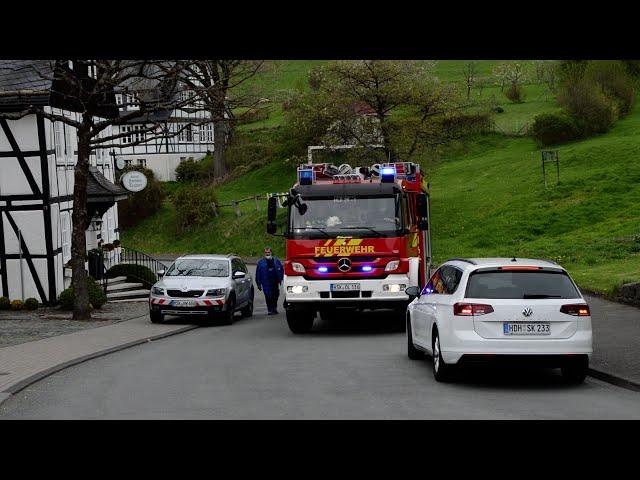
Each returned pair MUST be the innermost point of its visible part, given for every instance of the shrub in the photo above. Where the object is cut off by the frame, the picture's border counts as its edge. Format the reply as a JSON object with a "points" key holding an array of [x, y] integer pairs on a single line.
{"points": [[515, 93], [554, 128], [16, 305], [194, 206], [140, 205], [97, 297], [592, 110], [188, 171], [5, 304], [615, 81], [31, 304], [134, 273]]}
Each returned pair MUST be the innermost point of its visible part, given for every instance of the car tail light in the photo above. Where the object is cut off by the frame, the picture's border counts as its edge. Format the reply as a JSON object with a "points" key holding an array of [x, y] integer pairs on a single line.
{"points": [[576, 309], [469, 309]]}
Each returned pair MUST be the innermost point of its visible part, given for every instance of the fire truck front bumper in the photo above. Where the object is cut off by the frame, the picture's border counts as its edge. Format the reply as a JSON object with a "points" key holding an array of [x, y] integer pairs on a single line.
{"points": [[366, 294]]}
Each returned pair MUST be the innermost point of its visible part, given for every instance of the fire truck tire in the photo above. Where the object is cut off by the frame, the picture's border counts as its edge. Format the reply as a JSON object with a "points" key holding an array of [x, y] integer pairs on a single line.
{"points": [[325, 314], [400, 316], [300, 322]]}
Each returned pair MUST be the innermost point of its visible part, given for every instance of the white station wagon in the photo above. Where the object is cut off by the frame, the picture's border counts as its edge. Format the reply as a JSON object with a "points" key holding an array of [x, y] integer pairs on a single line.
{"points": [[488, 310]]}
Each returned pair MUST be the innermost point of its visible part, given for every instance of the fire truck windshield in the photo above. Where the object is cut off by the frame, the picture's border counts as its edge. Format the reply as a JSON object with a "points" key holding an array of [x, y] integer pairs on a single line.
{"points": [[364, 216]]}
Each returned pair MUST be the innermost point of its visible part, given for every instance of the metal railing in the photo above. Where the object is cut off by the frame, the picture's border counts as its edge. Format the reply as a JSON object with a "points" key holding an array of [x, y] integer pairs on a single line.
{"points": [[129, 256]]}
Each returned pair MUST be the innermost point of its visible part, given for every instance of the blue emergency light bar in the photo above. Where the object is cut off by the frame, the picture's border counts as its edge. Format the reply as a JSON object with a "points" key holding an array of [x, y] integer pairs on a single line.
{"points": [[305, 177], [367, 268], [387, 175], [323, 269]]}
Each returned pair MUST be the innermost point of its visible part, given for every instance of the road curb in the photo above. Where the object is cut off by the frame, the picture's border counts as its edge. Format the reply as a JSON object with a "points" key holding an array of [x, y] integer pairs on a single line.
{"points": [[22, 384], [614, 380]]}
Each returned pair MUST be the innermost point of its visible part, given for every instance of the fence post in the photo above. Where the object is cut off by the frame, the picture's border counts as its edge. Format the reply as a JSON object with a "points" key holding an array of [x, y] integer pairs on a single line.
{"points": [[257, 204], [236, 207], [215, 209]]}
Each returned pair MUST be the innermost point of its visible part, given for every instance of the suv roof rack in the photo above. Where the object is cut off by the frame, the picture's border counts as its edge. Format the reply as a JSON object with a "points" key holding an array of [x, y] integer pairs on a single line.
{"points": [[462, 260]]}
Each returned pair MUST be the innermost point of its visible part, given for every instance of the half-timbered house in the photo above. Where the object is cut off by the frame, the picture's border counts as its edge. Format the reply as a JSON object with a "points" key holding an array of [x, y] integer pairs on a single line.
{"points": [[37, 159], [188, 134]]}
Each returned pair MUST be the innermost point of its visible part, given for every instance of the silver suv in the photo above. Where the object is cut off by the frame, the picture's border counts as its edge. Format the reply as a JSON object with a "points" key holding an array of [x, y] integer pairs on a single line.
{"points": [[215, 286]]}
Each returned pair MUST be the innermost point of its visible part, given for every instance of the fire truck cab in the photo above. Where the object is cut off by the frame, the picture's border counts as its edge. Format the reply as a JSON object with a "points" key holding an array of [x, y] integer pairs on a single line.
{"points": [[356, 238]]}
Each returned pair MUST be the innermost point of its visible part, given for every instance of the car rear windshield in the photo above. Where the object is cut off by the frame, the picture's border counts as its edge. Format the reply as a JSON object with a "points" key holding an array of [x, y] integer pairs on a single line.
{"points": [[519, 284], [199, 268]]}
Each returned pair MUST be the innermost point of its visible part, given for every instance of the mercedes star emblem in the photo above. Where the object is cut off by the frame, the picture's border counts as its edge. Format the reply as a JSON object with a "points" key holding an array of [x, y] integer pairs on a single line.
{"points": [[344, 265]]}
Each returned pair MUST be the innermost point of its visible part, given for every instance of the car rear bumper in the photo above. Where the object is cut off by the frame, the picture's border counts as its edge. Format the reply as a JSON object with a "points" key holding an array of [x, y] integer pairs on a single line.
{"points": [[541, 360]]}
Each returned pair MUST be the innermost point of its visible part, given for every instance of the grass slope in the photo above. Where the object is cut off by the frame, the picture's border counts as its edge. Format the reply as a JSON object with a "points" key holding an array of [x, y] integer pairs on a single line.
{"points": [[281, 76], [488, 199]]}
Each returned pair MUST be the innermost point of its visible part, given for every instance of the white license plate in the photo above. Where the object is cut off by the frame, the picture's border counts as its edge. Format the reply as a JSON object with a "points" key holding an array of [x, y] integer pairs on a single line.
{"points": [[345, 287], [526, 329], [184, 303]]}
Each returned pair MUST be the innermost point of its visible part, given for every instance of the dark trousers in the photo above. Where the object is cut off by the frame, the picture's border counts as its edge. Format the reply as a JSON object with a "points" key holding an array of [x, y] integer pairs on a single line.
{"points": [[272, 301]]}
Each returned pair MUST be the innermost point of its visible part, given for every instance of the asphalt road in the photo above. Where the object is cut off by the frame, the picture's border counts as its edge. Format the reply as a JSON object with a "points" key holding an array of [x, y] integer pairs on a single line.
{"points": [[354, 367]]}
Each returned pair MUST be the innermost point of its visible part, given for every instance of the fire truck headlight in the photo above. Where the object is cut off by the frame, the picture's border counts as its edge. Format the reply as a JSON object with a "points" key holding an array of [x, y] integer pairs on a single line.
{"points": [[297, 267], [394, 287], [297, 289], [393, 265]]}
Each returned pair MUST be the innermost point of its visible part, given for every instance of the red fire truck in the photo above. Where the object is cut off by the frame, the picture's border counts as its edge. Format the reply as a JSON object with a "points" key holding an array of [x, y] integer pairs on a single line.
{"points": [[355, 238]]}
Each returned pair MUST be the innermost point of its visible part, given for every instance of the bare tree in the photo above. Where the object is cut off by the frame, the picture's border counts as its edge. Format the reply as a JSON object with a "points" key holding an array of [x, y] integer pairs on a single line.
{"points": [[469, 72], [89, 88], [222, 87]]}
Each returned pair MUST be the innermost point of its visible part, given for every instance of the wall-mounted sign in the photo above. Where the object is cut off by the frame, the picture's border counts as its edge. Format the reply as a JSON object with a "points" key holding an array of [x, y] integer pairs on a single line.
{"points": [[134, 181], [120, 163]]}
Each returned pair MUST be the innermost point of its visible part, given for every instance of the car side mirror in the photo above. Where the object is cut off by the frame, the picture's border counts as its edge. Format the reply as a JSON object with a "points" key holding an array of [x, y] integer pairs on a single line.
{"points": [[272, 209], [239, 274], [422, 204], [160, 273], [413, 292]]}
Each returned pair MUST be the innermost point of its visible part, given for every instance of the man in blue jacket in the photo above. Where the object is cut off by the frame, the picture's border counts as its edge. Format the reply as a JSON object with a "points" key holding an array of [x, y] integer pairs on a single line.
{"points": [[269, 276]]}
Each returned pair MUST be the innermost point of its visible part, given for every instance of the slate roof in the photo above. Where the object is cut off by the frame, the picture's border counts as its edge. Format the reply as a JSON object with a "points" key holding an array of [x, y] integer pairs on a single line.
{"points": [[33, 75], [100, 189]]}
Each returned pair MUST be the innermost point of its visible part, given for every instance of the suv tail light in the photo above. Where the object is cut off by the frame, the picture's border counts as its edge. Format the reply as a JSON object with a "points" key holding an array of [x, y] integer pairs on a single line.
{"points": [[469, 309], [576, 309]]}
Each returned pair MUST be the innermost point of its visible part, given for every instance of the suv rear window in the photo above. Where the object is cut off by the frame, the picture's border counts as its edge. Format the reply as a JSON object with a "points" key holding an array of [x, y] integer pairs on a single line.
{"points": [[514, 284]]}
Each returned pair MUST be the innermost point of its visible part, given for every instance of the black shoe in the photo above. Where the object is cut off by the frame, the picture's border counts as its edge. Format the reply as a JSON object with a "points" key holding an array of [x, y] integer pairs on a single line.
{"points": [[270, 313], [275, 312]]}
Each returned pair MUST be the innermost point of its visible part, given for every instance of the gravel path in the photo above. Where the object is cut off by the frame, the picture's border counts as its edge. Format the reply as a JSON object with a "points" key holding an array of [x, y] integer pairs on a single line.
{"points": [[21, 327]]}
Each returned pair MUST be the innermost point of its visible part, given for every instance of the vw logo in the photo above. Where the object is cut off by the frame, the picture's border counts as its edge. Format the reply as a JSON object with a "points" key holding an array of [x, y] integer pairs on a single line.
{"points": [[184, 288], [527, 312], [344, 265]]}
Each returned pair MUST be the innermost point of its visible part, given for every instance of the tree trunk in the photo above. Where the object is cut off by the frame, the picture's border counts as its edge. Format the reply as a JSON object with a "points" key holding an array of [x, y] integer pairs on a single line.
{"points": [[80, 223], [219, 148]]}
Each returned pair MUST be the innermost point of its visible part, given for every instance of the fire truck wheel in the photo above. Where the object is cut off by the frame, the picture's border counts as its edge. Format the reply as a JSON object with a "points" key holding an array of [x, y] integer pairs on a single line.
{"points": [[300, 322], [325, 315], [400, 316]]}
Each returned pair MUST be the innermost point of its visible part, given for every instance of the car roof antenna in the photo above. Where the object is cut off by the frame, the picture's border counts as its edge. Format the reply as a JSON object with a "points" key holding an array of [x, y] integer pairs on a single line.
{"points": [[514, 259]]}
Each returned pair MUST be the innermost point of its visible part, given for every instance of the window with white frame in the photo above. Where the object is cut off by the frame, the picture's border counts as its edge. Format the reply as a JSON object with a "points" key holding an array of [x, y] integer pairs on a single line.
{"points": [[119, 98], [186, 134], [58, 141], [128, 162], [142, 162], [69, 147], [206, 133], [126, 129], [139, 134], [65, 228]]}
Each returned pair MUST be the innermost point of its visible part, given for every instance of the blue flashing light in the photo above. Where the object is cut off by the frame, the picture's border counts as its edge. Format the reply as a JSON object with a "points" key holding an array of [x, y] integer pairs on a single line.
{"points": [[323, 269], [387, 174], [367, 268], [305, 177]]}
